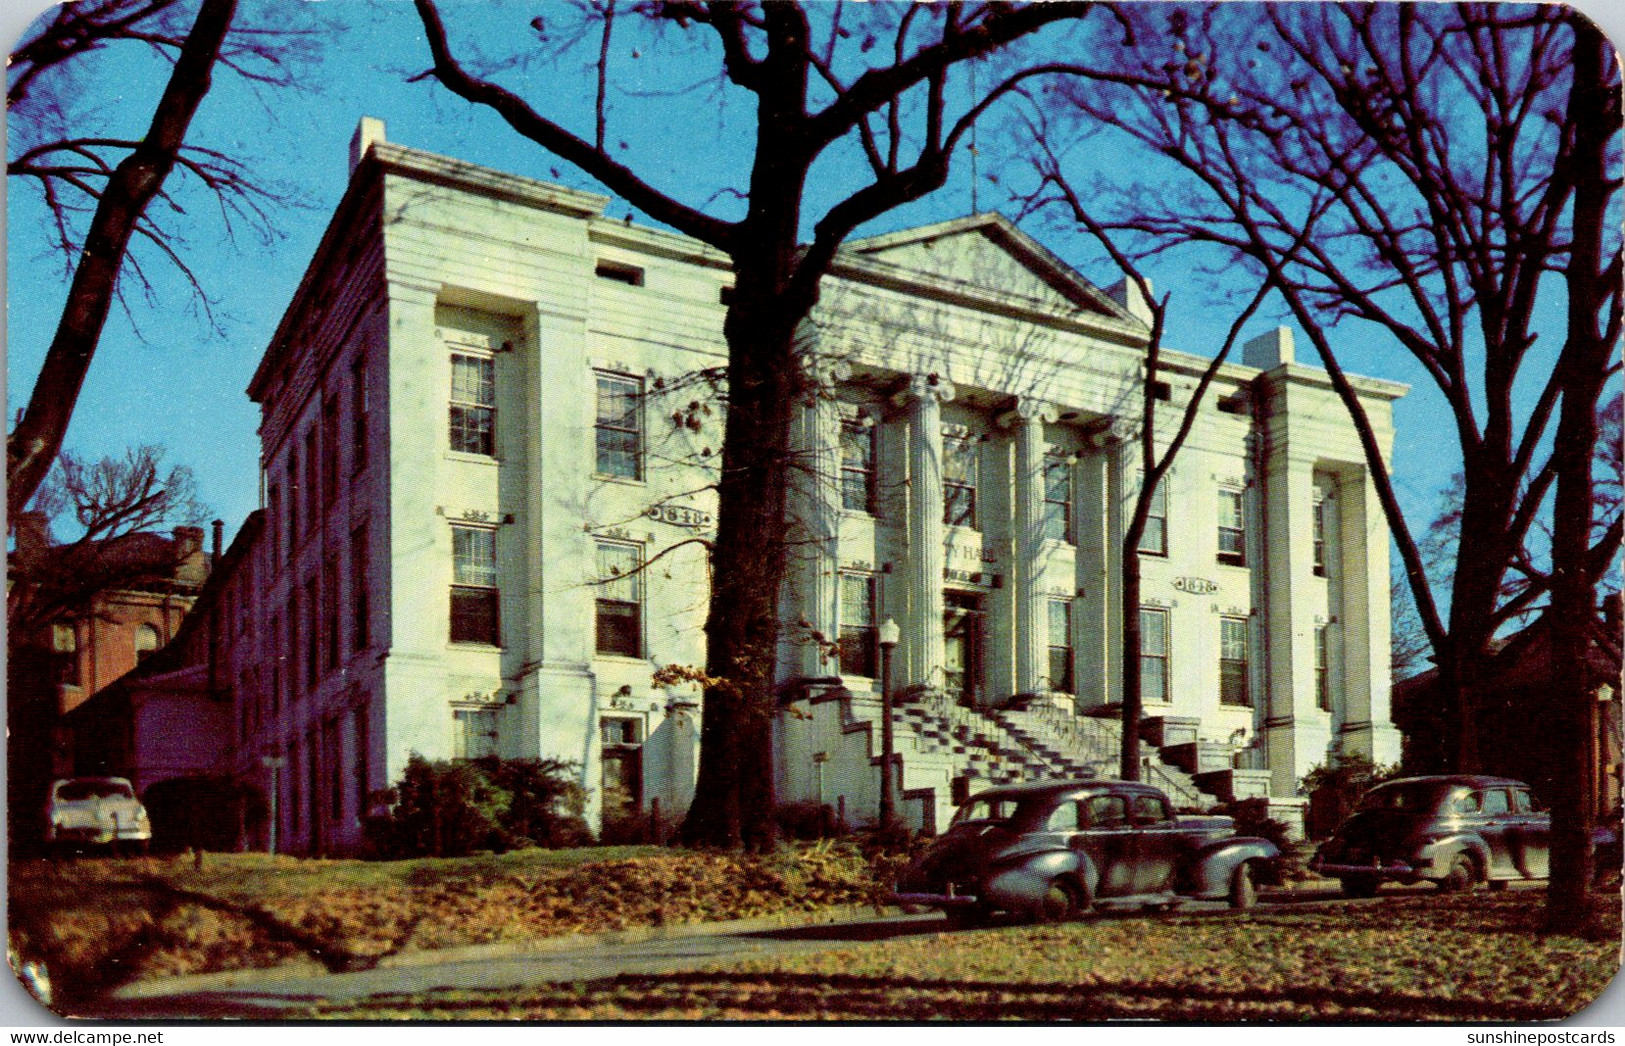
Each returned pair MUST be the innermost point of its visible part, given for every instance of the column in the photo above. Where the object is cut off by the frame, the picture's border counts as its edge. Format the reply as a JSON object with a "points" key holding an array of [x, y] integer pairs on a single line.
{"points": [[1361, 564], [1098, 618], [1026, 422], [815, 515], [923, 398], [1288, 500]]}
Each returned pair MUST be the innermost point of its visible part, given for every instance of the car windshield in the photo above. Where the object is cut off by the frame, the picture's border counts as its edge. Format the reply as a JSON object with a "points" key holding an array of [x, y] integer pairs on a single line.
{"points": [[1408, 796], [79, 791]]}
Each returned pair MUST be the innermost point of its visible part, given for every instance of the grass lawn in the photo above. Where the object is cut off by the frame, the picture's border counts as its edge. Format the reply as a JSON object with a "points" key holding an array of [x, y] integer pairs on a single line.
{"points": [[97, 923], [1406, 958]]}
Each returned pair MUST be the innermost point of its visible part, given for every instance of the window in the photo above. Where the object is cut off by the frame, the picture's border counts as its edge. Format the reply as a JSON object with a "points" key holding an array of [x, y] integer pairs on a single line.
{"points": [[1063, 819], [1153, 655], [1060, 646], [330, 613], [273, 522], [620, 427], [1323, 670], [313, 506], [473, 404], [276, 668], [293, 643], [622, 769], [858, 635], [1058, 499], [330, 451], [474, 585], [858, 465], [474, 732], [65, 645], [959, 473], [360, 588], [1105, 811], [146, 642], [1232, 528], [1320, 537], [294, 494], [312, 630], [358, 415], [1154, 540], [333, 745], [620, 600], [363, 758], [1233, 662], [1495, 803], [1151, 809]]}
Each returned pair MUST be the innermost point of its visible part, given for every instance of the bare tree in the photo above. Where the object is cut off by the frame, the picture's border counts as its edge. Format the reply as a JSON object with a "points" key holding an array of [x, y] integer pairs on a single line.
{"points": [[1421, 172], [119, 184], [875, 80]]}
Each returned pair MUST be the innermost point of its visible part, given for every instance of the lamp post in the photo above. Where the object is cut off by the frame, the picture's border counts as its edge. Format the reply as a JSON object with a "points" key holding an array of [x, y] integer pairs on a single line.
{"points": [[889, 636], [274, 763]]}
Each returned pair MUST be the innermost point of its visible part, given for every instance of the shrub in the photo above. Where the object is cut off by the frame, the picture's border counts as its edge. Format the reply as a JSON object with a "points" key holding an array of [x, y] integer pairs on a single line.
{"points": [[805, 819], [1334, 789], [454, 808], [1252, 817]]}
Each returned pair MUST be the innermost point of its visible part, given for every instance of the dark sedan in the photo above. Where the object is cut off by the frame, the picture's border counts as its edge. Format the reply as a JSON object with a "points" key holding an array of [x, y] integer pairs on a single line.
{"points": [[1051, 851], [1455, 831]]}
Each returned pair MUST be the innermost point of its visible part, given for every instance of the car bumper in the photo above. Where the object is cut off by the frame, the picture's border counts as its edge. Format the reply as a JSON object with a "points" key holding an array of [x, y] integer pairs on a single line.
{"points": [[937, 900], [1337, 870]]}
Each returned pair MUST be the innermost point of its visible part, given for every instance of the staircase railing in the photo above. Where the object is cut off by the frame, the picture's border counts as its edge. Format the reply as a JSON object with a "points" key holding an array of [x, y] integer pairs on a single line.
{"points": [[1100, 745]]}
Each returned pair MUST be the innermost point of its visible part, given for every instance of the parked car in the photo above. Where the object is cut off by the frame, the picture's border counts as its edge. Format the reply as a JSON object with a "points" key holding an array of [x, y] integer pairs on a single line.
{"points": [[96, 811], [1052, 851], [1455, 831]]}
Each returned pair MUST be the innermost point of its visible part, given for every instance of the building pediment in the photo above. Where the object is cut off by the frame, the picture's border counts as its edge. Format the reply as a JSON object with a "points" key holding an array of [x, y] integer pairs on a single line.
{"points": [[987, 253]]}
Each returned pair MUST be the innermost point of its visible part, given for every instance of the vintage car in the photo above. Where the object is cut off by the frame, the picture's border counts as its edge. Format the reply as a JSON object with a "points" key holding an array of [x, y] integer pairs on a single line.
{"points": [[95, 811], [1052, 851], [1455, 831]]}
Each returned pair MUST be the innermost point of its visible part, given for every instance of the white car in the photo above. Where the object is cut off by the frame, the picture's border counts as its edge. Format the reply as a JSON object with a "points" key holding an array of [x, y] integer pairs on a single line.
{"points": [[98, 811]]}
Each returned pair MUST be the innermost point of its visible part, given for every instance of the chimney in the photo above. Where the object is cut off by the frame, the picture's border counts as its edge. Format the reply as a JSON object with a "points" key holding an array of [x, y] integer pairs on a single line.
{"points": [[1126, 293], [219, 542], [33, 534], [368, 131], [1268, 351]]}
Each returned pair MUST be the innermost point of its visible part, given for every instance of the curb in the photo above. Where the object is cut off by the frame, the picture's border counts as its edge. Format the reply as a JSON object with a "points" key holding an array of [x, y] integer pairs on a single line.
{"points": [[158, 987]]}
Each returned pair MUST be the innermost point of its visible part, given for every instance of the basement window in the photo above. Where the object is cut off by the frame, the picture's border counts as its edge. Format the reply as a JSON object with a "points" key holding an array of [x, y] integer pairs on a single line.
{"points": [[630, 275]]}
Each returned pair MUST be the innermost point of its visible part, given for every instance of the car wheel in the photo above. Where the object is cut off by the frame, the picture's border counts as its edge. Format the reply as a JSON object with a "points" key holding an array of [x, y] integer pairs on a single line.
{"points": [[1064, 900], [971, 918], [1359, 885], [1243, 891], [1462, 876]]}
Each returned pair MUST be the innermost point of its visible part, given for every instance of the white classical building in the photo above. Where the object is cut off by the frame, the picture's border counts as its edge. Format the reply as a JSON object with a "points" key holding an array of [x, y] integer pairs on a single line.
{"points": [[490, 421]]}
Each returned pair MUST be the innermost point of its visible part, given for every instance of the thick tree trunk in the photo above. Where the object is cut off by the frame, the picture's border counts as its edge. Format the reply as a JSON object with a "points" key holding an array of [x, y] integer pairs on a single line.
{"points": [[1133, 708], [37, 439]]}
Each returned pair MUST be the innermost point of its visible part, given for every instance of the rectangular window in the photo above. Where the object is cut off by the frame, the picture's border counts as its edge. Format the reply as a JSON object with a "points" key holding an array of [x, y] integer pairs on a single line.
{"points": [[294, 495], [859, 652], [473, 423], [858, 466], [312, 491], [619, 428], [276, 668], [1058, 499], [1232, 528], [273, 522], [363, 758], [360, 590], [358, 415], [1154, 539], [475, 733], [330, 451], [330, 613], [620, 600], [1233, 662], [1323, 670], [959, 475], [474, 600], [1060, 646], [332, 744], [622, 759], [1320, 537], [312, 631], [1153, 655]]}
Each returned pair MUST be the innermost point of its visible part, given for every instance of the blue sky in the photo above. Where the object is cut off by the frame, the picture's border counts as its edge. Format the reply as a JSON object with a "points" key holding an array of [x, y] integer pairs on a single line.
{"points": [[162, 375]]}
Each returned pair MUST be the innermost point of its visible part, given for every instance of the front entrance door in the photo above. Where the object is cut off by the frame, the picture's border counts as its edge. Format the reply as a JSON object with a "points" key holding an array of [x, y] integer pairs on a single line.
{"points": [[962, 646]]}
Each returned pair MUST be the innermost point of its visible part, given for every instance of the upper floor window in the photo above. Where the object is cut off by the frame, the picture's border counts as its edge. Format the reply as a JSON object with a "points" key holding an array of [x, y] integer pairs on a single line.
{"points": [[1320, 537], [1153, 655], [360, 589], [147, 642], [1233, 661], [1058, 498], [858, 635], [273, 522], [359, 409], [620, 427], [473, 404], [1060, 646], [293, 500], [620, 600], [330, 450], [474, 586], [959, 476], [858, 465], [1154, 539], [1232, 528], [312, 488]]}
